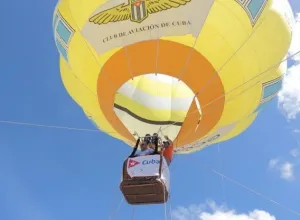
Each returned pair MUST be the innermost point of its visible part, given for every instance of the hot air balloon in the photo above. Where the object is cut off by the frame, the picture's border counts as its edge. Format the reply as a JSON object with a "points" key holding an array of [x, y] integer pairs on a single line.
{"points": [[196, 71]]}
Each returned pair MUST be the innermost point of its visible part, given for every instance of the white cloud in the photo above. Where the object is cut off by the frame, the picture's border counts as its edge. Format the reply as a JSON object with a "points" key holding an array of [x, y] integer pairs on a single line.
{"points": [[273, 163], [289, 96], [211, 211], [231, 215], [295, 152], [285, 169]]}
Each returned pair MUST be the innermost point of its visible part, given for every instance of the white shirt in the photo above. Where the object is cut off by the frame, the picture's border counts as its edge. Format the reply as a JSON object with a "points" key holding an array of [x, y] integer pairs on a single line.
{"points": [[145, 152]]}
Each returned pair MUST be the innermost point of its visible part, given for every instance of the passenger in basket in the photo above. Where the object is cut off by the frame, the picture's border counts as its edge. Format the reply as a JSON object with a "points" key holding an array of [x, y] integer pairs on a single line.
{"points": [[154, 140], [145, 149], [167, 148]]}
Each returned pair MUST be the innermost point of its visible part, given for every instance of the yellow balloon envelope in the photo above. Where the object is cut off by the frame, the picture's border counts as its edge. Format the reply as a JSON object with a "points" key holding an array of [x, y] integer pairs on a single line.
{"points": [[198, 71]]}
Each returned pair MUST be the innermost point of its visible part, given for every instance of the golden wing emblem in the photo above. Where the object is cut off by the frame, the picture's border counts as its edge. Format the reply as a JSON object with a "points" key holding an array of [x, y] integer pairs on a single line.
{"points": [[154, 6], [119, 13]]}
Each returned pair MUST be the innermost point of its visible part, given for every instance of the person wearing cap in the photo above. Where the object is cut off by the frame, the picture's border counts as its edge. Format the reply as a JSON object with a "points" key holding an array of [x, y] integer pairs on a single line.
{"points": [[154, 140], [145, 150], [145, 146], [167, 148]]}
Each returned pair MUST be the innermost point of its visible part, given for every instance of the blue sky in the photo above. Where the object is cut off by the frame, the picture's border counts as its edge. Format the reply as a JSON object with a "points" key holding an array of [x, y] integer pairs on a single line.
{"points": [[59, 174]]}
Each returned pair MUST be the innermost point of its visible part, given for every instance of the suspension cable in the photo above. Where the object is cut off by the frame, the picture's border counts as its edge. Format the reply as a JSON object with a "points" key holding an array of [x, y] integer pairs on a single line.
{"points": [[133, 213], [250, 190], [170, 212], [118, 209], [222, 178], [256, 193], [50, 126]]}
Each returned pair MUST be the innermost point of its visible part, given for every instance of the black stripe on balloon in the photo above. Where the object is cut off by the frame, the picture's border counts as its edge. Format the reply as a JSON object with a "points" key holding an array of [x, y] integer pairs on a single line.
{"points": [[146, 120]]}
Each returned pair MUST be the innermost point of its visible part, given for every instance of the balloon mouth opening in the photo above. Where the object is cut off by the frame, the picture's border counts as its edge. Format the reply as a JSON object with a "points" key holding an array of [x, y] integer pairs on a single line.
{"points": [[154, 103]]}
